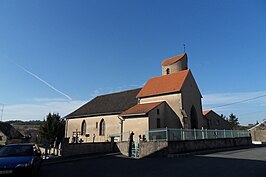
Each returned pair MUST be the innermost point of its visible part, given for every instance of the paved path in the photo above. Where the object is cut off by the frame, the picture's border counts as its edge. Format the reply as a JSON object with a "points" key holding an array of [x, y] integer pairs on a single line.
{"points": [[238, 163]]}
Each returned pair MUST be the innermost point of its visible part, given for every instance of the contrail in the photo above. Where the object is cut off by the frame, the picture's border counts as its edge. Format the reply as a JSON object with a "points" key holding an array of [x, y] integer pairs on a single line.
{"points": [[40, 79]]}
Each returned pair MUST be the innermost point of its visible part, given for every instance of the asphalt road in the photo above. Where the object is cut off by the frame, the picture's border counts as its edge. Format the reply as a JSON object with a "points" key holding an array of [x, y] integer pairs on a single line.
{"points": [[238, 163]]}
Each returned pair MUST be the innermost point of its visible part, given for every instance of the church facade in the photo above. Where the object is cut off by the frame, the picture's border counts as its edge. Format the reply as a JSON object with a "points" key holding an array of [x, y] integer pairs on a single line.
{"points": [[171, 100]]}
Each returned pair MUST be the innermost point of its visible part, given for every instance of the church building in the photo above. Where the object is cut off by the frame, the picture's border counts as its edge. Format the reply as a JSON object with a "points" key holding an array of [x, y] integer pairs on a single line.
{"points": [[171, 100]]}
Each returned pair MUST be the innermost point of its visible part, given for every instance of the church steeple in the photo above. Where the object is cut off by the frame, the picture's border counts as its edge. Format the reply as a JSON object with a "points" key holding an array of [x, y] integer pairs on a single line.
{"points": [[174, 64]]}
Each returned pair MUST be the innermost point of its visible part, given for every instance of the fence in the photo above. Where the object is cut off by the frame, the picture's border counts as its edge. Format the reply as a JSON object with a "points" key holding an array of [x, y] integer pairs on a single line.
{"points": [[170, 134]]}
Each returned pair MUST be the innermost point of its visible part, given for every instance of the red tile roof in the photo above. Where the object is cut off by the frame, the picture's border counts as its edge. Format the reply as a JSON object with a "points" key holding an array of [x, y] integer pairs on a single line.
{"points": [[206, 112], [140, 109], [172, 60], [164, 84]]}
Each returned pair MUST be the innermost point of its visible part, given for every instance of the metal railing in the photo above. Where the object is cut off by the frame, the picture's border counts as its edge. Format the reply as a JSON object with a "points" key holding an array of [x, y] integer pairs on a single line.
{"points": [[171, 134]]}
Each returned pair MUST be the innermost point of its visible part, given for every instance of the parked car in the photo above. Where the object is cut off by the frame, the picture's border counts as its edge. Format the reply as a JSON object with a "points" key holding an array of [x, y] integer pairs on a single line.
{"points": [[20, 159]]}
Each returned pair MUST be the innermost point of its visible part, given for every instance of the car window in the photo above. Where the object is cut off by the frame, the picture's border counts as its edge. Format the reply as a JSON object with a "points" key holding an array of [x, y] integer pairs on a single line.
{"points": [[8, 151]]}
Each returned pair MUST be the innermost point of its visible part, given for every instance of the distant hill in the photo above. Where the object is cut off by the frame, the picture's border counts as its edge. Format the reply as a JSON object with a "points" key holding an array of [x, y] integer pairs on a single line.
{"points": [[20, 122], [27, 128]]}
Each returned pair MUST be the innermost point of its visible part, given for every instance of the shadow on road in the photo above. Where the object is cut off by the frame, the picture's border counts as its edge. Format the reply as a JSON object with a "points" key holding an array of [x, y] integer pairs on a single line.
{"points": [[189, 166]]}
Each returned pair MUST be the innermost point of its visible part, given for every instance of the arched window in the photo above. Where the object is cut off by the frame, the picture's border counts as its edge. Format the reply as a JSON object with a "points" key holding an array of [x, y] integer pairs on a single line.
{"points": [[102, 128], [83, 128], [168, 71]]}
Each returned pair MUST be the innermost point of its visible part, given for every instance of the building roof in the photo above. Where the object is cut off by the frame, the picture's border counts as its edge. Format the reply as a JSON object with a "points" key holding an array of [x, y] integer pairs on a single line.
{"points": [[113, 103], [140, 109], [10, 131], [164, 84], [172, 60], [206, 112], [260, 126]]}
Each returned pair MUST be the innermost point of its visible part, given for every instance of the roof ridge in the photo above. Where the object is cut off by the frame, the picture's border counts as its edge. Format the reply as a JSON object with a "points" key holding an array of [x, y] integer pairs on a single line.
{"points": [[205, 112], [118, 92], [259, 124], [172, 60]]}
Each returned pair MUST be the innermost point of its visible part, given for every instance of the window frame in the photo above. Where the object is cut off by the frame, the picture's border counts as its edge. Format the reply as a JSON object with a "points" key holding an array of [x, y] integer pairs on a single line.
{"points": [[158, 111], [83, 128], [168, 71], [102, 128]]}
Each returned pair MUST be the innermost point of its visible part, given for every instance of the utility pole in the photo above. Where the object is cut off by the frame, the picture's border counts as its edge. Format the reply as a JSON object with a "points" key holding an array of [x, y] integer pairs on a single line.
{"points": [[2, 111]]}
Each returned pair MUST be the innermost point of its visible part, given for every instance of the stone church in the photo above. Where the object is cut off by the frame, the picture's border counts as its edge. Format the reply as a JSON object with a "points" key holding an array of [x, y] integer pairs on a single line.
{"points": [[172, 100]]}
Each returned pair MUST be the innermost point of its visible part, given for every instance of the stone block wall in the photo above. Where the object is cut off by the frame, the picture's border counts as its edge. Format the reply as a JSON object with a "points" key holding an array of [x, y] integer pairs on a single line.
{"points": [[74, 149], [156, 148], [123, 147], [176, 147], [258, 135], [165, 148]]}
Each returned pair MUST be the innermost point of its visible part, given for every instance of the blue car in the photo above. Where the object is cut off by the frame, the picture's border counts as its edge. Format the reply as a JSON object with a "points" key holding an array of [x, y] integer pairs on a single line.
{"points": [[20, 159]]}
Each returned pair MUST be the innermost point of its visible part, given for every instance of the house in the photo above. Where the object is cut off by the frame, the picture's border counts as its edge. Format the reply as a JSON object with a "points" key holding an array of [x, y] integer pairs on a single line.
{"points": [[258, 132], [8, 134], [171, 100], [215, 121]]}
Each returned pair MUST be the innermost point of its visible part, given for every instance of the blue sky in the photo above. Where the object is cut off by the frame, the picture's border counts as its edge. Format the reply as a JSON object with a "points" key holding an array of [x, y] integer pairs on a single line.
{"points": [[52, 50]]}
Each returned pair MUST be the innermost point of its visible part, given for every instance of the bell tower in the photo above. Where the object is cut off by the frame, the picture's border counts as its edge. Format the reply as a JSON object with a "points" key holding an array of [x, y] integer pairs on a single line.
{"points": [[174, 64]]}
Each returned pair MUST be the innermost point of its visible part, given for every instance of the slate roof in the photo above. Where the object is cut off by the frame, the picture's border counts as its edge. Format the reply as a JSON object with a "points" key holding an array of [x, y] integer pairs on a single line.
{"points": [[174, 59], [164, 84], [10, 131], [113, 103], [140, 109]]}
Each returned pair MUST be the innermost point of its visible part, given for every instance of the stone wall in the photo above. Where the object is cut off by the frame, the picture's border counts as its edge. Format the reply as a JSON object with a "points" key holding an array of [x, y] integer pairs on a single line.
{"points": [[123, 147], [176, 147], [199, 145], [73, 149], [258, 135], [156, 148]]}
